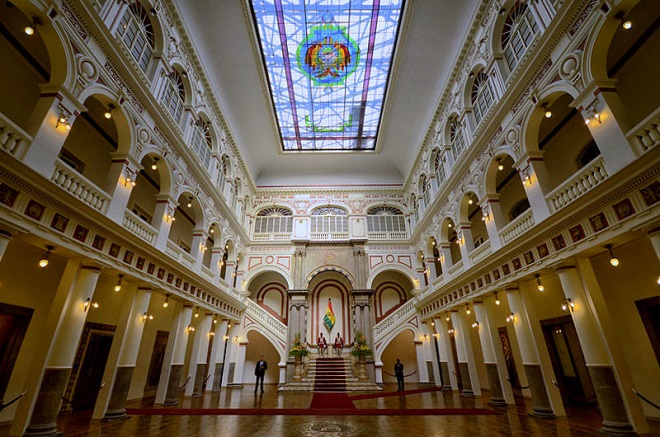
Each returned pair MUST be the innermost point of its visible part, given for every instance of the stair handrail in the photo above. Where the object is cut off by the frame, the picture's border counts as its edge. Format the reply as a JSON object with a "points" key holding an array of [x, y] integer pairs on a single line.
{"points": [[645, 399], [4, 405], [185, 383]]}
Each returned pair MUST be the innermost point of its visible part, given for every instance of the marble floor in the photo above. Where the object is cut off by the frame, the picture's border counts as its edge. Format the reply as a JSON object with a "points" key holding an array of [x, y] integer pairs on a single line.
{"points": [[509, 421]]}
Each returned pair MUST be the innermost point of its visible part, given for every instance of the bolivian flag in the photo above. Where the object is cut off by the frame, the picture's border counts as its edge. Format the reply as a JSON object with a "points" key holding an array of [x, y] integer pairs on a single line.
{"points": [[329, 318]]}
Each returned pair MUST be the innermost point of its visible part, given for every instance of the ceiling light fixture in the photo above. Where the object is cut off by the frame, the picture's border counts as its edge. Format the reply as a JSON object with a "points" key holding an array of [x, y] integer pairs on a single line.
{"points": [[539, 285], [44, 261], [190, 199], [108, 114], [154, 165], [625, 23], [119, 279], [547, 113], [166, 303], [32, 27], [614, 261], [500, 167], [497, 299], [468, 311]]}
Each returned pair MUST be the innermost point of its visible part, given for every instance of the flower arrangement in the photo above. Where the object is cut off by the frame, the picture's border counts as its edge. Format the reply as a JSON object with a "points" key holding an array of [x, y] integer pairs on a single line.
{"points": [[298, 349], [360, 348]]}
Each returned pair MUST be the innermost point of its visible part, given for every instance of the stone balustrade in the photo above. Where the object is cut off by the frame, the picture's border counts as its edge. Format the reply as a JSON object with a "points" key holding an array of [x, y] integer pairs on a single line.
{"points": [[80, 187]]}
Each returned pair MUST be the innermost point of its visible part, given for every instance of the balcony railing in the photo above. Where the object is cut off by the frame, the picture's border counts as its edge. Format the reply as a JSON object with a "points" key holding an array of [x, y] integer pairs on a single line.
{"points": [[456, 267], [480, 252], [395, 319], [12, 137], [517, 227], [583, 181], [646, 135], [180, 255], [139, 227], [266, 320], [80, 187], [328, 236], [271, 237], [387, 235]]}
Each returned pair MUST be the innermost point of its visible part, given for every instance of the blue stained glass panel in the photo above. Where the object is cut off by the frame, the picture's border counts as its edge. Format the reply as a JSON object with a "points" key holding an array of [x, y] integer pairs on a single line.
{"points": [[328, 63]]}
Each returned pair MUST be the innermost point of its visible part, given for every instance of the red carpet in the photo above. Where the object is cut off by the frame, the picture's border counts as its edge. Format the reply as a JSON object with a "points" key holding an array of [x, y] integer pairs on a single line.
{"points": [[331, 400], [394, 393], [308, 412]]}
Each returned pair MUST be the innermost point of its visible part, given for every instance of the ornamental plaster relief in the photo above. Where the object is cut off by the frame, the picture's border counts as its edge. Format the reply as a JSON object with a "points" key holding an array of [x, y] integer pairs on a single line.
{"points": [[377, 260]]}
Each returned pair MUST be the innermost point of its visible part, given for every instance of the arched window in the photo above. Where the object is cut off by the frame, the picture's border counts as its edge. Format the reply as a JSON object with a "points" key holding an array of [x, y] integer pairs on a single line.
{"points": [[519, 31], [386, 223], [273, 220], [423, 190], [482, 96], [201, 141], [519, 208], [456, 137], [439, 168], [222, 174], [329, 223], [174, 95], [137, 32]]}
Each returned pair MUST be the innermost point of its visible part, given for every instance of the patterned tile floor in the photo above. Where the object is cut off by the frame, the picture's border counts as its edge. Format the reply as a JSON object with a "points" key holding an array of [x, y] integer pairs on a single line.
{"points": [[511, 421]]}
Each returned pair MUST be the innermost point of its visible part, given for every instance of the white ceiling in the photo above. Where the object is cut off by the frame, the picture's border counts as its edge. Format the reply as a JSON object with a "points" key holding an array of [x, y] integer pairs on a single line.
{"points": [[226, 43]]}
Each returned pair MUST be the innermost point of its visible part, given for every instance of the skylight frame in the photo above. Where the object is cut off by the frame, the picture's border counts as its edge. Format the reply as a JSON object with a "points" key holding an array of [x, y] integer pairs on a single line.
{"points": [[321, 119]]}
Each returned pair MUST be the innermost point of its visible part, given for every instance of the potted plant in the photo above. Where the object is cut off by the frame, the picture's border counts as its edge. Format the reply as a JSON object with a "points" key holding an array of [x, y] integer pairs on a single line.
{"points": [[360, 348], [298, 350]]}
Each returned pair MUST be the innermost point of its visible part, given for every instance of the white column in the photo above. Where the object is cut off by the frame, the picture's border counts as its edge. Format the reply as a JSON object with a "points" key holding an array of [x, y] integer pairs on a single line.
{"points": [[539, 377], [197, 370], [465, 353], [5, 238], [490, 318], [119, 184], [446, 351], [421, 361], [493, 368], [217, 350]]}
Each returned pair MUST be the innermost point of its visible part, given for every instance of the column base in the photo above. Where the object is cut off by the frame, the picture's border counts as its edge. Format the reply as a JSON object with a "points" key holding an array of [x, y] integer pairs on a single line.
{"points": [[446, 388], [111, 416], [47, 407], [543, 413], [616, 428], [467, 394], [497, 402], [172, 395]]}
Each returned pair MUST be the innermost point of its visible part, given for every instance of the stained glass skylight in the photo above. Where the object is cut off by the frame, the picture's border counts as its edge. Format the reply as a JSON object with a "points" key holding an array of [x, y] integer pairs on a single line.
{"points": [[328, 63]]}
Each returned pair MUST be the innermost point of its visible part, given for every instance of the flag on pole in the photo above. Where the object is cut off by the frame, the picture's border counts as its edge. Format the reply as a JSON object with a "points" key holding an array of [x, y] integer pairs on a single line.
{"points": [[329, 318]]}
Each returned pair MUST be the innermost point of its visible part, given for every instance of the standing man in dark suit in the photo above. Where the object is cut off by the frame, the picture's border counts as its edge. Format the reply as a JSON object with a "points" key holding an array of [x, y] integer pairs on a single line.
{"points": [[398, 372], [259, 372]]}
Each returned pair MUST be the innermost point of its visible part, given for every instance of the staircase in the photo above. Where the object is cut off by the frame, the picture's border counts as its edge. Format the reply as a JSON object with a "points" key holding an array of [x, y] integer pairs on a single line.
{"points": [[329, 375]]}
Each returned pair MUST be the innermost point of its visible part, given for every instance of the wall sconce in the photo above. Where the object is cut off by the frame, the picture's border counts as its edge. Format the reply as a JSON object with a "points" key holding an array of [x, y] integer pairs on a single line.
{"points": [[425, 337], [146, 316], [130, 179], [468, 311], [154, 165], [497, 299], [211, 334], [191, 328], [476, 325], [170, 218], [510, 318], [592, 114], [547, 113], [32, 27], [90, 303], [63, 121], [225, 338], [614, 261], [236, 339], [166, 303], [43, 262], [196, 312], [657, 280], [108, 114], [526, 177], [567, 304], [500, 166], [450, 331], [625, 24], [119, 279], [539, 284], [436, 335]]}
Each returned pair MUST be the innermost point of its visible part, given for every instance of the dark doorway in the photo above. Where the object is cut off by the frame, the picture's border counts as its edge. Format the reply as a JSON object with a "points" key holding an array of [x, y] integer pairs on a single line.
{"points": [[512, 371], [14, 321], [568, 362], [156, 364], [454, 353], [649, 311], [90, 375]]}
